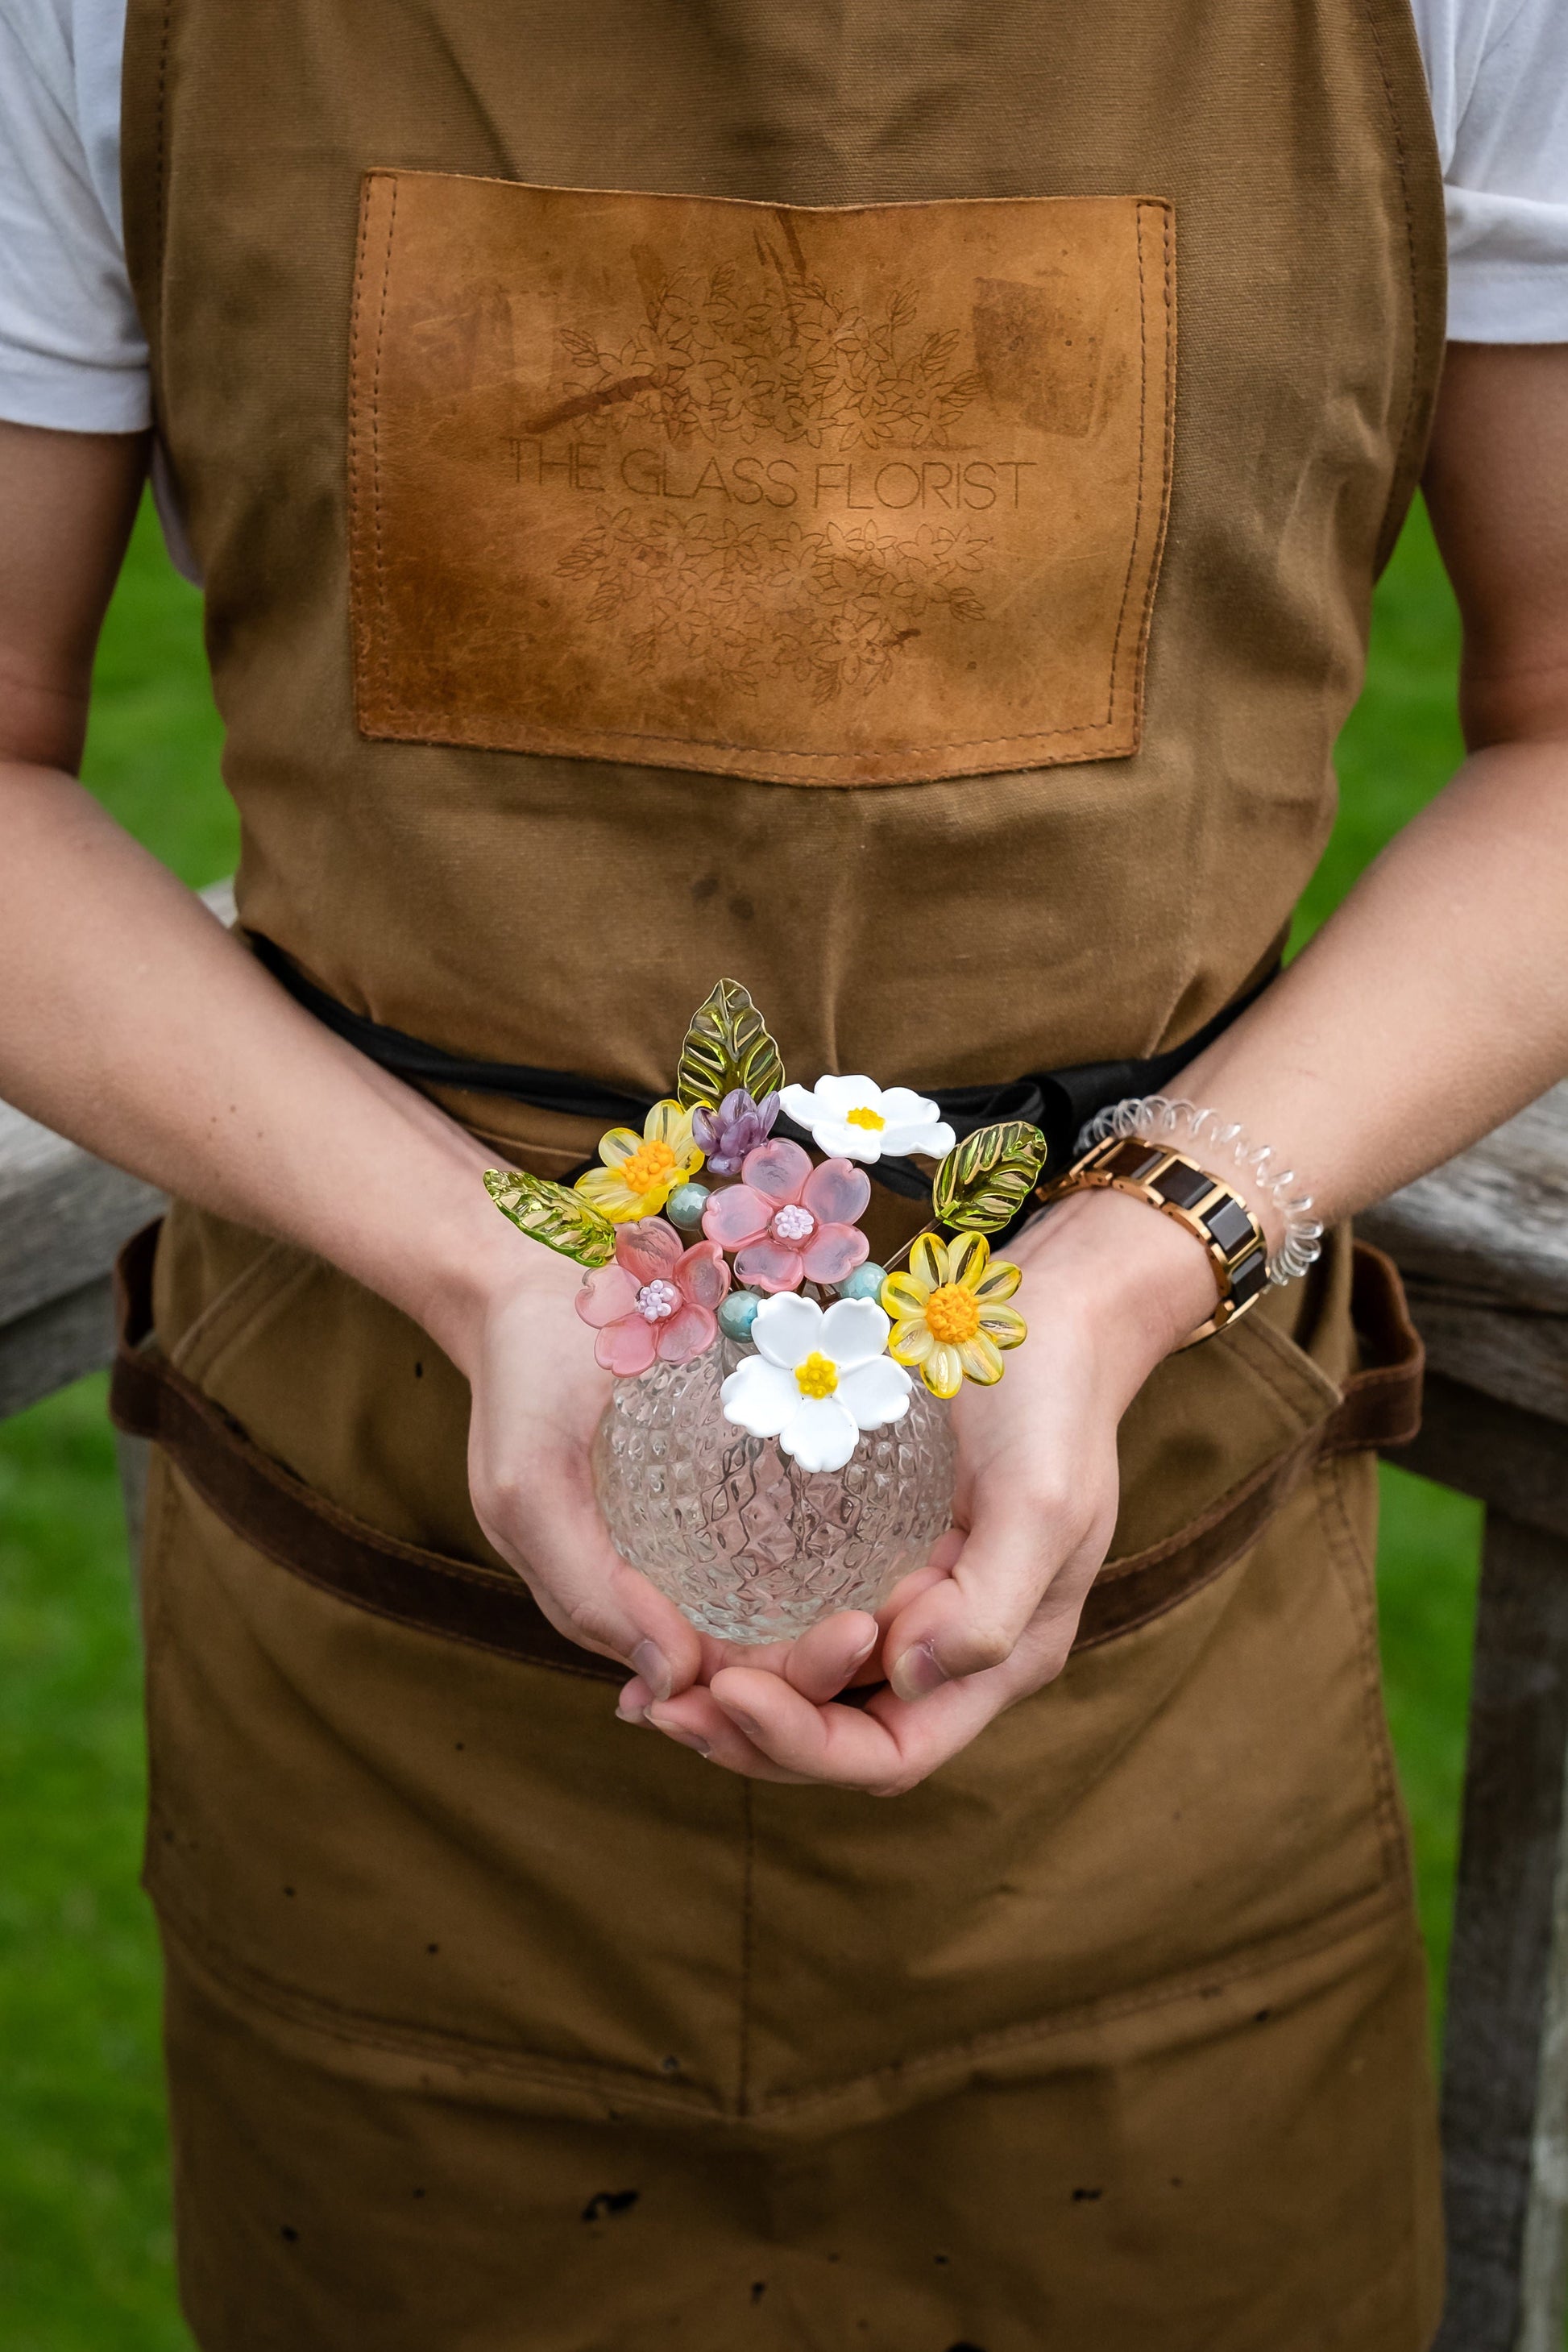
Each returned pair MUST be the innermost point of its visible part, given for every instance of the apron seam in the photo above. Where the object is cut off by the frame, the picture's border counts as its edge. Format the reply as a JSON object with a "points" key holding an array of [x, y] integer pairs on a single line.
{"points": [[1133, 549], [227, 1320], [1199, 1983], [748, 1945], [1360, 1573], [341, 2022], [359, 2029], [1404, 447]]}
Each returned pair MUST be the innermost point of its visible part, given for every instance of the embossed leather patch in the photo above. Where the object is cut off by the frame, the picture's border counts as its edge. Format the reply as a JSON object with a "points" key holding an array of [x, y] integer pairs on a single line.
{"points": [[843, 497]]}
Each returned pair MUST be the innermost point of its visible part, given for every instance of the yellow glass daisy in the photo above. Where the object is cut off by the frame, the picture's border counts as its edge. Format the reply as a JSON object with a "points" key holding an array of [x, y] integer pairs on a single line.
{"points": [[950, 1321], [641, 1172]]}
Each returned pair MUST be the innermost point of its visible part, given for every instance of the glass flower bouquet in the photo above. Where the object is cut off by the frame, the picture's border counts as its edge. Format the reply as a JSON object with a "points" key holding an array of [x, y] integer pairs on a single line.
{"points": [[768, 1454]]}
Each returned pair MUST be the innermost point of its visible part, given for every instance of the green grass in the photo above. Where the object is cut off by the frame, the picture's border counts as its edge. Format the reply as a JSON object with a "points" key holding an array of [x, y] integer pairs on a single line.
{"points": [[84, 2228], [84, 2225]]}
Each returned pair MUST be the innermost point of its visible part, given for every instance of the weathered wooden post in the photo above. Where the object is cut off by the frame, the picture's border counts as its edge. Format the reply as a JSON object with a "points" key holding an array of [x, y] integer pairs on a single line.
{"points": [[1483, 1245]]}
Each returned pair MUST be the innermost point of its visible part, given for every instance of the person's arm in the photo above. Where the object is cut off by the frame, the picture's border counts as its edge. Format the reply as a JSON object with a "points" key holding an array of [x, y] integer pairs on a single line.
{"points": [[1433, 1005], [131, 1021]]}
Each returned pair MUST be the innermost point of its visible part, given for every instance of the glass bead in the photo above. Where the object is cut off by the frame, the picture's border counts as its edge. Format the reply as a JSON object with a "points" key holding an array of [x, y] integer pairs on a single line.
{"points": [[738, 1312], [685, 1206], [866, 1282]]}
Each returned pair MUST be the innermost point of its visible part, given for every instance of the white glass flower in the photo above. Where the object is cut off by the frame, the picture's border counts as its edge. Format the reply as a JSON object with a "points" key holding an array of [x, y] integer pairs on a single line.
{"points": [[817, 1379], [854, 1118]]}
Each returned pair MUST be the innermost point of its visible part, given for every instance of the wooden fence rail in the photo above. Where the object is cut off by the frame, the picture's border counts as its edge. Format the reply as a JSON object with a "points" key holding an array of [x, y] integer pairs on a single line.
{"points": [[1483, 1245]]}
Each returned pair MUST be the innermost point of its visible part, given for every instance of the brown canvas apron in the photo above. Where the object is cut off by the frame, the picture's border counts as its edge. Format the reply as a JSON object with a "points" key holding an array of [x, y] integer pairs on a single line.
{"points": [[809, 560]]}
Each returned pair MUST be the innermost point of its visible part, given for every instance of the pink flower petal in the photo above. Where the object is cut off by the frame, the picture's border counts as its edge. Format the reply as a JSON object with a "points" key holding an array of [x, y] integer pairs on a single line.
{"points": [[735, 1216], [702, 1275], [647, 1249], [777, 1169], [835, 1251], [687, 1333], [608, 1295], [770, 1265], [837, 1192], [627, 1348]]}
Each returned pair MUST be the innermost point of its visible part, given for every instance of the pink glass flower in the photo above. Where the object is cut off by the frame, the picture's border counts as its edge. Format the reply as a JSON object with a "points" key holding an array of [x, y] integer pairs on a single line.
{"points": [[791, 1222], [656, 1301]]}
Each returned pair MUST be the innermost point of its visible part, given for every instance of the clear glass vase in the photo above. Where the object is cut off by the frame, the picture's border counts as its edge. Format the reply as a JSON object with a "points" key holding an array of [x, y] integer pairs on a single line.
{"points": [[752, 1548]]}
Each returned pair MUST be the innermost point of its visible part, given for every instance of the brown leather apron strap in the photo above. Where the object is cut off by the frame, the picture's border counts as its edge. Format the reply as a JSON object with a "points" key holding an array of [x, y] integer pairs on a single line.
{"points": [[278, 1516]]}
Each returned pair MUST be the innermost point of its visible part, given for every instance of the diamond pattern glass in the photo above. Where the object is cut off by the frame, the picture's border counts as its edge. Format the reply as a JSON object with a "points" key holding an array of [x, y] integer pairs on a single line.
{"points": [[752, 1548]]}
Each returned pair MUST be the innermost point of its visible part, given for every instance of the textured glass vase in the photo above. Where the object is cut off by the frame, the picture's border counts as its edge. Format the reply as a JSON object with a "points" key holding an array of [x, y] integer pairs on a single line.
{"points": [[752, 1548]]}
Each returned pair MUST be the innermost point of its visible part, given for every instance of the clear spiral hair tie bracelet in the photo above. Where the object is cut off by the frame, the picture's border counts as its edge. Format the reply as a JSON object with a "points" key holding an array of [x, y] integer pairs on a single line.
{"points": [[1221, 1145]]}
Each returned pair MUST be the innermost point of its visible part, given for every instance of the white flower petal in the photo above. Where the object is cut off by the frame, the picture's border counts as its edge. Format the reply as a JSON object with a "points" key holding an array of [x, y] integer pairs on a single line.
{"points": [[853, 1331], [902, 1107], [821, 1435], [800, 1104], [787, 1329], [876, 1392], [933, 1137], [838, 1095], [836, 1140], [759, 1397]]}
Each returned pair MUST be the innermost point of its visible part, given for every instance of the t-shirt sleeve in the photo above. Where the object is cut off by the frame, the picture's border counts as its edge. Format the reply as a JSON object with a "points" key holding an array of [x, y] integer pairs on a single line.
{"points": [[1498, 70], [72, 355]]}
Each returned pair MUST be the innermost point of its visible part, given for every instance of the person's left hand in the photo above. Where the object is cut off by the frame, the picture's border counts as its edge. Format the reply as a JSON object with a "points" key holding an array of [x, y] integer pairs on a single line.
{"points": [[1111, 1288]]}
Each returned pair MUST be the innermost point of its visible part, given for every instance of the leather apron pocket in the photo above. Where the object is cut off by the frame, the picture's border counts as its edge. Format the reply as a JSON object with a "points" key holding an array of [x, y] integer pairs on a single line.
{"points": [[848, 495]]}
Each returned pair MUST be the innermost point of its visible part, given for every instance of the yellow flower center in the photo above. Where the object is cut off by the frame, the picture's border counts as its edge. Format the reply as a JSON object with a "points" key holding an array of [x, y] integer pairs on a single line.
{"points": [[817, 1377], [649, 1164], [864, 1117], [952, 1313]]}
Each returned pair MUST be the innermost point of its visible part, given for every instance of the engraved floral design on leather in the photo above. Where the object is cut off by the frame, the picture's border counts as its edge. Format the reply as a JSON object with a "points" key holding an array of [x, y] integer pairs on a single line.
{"points": [[860, 495]]}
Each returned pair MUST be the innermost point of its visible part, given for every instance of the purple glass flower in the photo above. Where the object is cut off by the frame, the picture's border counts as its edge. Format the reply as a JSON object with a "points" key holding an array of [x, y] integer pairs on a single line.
{"points": [[737, 1127]]}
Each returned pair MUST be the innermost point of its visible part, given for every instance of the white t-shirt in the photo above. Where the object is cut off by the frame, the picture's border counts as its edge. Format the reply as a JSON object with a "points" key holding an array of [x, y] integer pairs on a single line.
{"points": [[72, 354]]}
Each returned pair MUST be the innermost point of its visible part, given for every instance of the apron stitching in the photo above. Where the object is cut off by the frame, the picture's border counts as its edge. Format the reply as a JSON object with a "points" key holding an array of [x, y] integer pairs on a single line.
{"points": [[1396, 132], [375, 459], [1342, 1543], [213, 1316], [784, 752], [1253, 1345], [748, 1925], [1200, 1983], [341, 2022], [1217, 1510], [1142, 449], [355, 435], [161, 141], [359, 2029], [156, 1536]]}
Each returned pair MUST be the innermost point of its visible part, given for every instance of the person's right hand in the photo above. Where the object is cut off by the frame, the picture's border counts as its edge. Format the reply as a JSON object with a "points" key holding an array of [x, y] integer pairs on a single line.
{"points": [[537, 1398]]}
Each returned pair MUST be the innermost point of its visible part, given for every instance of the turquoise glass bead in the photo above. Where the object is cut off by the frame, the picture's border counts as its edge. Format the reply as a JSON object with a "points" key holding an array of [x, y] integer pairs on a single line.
{"points": [[866, 1282], [738, 1312], [685, 1206]]}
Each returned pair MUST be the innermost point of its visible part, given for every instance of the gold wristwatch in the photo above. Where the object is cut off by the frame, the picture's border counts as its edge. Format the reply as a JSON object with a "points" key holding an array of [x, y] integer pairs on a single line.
{"points": [[1180, 1189]]}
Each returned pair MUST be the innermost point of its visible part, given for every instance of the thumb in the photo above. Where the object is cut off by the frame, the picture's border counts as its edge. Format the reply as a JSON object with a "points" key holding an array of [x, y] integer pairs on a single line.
{"points": [[1029, 1554]]}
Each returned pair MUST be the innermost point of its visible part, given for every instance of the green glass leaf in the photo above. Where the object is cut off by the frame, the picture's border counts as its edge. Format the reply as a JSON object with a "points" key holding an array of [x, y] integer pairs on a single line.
{"points": [[727, 1045], [986, 1180], [548, 1213]]}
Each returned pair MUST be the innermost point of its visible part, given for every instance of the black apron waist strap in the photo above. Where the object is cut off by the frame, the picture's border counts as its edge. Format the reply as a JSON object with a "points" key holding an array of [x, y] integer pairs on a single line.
{"points": [[1058, 1102]]}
